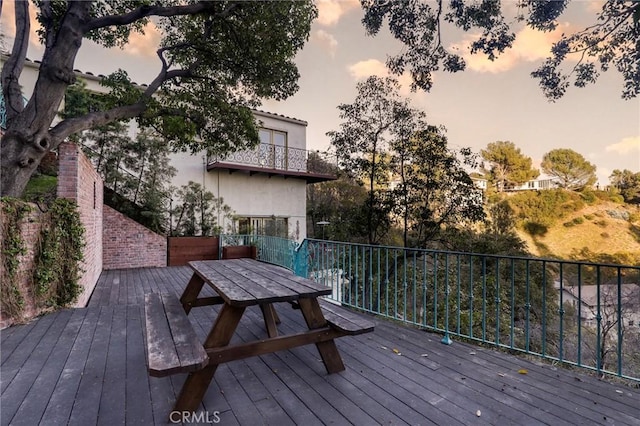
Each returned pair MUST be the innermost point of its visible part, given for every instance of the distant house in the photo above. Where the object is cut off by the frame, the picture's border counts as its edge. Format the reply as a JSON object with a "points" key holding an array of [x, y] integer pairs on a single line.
{"points": [[532, 185], [584, 300], [265, 187], [479, 181], [536, 184]]}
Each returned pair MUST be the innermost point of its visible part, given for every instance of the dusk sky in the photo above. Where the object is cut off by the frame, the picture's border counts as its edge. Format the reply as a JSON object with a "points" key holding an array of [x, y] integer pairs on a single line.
{"points": [[489, 101]]}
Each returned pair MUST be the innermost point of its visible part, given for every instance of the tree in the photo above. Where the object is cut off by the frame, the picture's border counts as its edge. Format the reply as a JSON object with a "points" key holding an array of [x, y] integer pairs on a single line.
{"points": [[612, 40], [435, 192], [509, 167], [216, 61], [377, 116], [197, 211], [628, 183], [571, 169]]}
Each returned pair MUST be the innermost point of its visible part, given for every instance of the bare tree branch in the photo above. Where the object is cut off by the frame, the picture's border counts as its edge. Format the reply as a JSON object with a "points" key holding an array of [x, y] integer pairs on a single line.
{"points": [[146, 11], [13, 67]]}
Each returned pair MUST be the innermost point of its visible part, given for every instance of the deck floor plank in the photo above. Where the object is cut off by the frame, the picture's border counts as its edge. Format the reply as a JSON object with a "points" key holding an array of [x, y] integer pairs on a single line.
{"points": [[21, 385], [88, 366], [64, 395], [85, 409], [113, 394]]}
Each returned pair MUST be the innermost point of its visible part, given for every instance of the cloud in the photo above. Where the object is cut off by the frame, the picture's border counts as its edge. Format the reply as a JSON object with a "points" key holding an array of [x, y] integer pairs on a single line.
{"points": [[530, 46], [363, 69], [625, 146], [330, 11], [144, 44], [326, 41]]}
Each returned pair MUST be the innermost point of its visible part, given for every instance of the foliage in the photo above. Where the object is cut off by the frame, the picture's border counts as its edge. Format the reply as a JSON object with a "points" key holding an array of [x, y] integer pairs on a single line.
{"points": [[377, 117], [13, 246], [435, 191], [508, 166], [137, 172], [216, 61], [589, 196], [571, 169], [579, 56], [338, 202], [575, 221], [58, 255], [41, 189], [537, 211], [197, 212], [628, 183]]}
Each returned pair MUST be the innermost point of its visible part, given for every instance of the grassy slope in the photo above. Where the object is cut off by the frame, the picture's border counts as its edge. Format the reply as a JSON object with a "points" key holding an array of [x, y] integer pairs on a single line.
{"points": [[599, 232]]}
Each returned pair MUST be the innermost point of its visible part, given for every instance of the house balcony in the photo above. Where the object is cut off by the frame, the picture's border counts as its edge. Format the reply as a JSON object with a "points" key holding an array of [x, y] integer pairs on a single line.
{"points": [[273, 160]]}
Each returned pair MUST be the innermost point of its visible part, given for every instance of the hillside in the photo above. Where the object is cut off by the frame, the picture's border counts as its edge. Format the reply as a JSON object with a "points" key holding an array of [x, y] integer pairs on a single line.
{"points": [[601, 227]]}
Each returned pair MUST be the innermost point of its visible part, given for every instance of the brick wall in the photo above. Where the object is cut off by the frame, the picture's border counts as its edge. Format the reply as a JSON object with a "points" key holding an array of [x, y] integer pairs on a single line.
{"points": [[77, 180], [30, 227], [127, 244]]}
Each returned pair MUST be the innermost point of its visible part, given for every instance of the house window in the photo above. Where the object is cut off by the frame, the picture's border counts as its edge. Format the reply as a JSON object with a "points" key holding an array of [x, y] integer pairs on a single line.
{"points": [[271, 226], [273, 148], [631, 323], [532, 184]]}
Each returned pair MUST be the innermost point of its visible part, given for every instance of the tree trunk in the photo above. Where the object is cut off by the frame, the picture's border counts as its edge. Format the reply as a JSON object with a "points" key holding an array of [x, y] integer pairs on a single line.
{"points": [[21, 155]]}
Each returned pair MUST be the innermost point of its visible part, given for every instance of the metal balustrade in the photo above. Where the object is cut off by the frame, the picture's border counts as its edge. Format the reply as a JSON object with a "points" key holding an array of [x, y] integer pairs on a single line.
{"points": [[579, 314], [277, 157]]}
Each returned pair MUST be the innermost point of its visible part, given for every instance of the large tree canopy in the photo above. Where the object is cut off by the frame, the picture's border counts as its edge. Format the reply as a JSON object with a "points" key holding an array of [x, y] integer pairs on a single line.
{"points": [[508, 165], [570, 168], [613, 40], [217, 59]]}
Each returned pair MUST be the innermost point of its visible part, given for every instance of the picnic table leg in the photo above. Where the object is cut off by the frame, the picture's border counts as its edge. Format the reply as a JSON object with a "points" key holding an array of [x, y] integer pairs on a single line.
{"points": [[191, 292], [198, 382], [328, 350], [270, 319]]}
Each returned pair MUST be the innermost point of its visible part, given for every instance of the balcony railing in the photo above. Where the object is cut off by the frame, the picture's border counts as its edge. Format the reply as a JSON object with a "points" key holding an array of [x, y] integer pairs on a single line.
{"points": [[576, 313], [282, 158]]}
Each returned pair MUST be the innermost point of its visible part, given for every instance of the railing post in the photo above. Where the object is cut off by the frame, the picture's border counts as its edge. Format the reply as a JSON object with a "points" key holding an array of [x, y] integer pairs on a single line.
{"points": [[300, 260]]}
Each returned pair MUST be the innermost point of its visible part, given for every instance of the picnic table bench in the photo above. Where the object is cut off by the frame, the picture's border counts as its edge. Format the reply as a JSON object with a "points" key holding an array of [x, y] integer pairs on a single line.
{"points": [[173, 346]]}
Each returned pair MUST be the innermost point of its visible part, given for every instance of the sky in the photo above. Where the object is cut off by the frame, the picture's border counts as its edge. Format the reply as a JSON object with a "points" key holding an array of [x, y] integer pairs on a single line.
{"points": [[487, 102]]}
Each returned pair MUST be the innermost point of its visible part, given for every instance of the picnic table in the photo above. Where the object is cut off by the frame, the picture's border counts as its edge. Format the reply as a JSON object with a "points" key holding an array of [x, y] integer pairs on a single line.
{"points": [[172, 344]]}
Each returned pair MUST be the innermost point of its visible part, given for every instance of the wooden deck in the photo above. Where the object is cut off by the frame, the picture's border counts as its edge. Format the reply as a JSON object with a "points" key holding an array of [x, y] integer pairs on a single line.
{"points": [[87, 366]]}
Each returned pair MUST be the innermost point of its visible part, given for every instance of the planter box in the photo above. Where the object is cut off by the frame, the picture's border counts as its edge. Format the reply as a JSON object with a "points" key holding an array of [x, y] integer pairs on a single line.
{"points": [[239, 252]]}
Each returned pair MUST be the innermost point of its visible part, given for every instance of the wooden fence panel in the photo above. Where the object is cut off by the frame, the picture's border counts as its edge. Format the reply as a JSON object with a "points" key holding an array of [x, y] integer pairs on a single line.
{"points": [[181, 250]]}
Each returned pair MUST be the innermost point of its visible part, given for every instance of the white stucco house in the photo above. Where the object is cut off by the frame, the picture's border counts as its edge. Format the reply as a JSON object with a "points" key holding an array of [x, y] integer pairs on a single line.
{"points": [[265, 187]]}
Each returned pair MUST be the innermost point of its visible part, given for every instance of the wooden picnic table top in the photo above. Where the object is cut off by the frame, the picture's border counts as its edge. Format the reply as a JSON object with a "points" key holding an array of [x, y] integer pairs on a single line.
{"points": [[247, 282]]}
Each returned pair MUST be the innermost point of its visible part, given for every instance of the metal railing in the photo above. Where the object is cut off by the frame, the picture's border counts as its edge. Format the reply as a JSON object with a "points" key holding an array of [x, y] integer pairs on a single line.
{"points": [[277, 157], [577, 313], [275, 250]]}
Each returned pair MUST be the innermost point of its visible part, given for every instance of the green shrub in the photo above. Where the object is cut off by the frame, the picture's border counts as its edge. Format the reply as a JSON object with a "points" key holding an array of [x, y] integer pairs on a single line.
{"points": [[589, 216], [634, 217], [605, 235], [568, 224], [578, 220], [616, 198], [544, 208], [601, 223], [535, 229], [589, 197]]}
